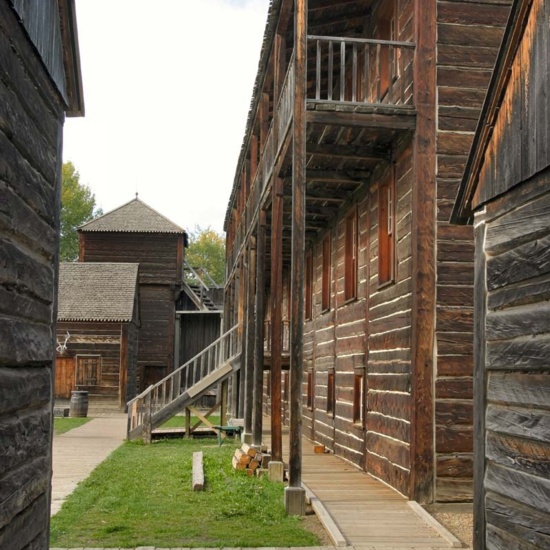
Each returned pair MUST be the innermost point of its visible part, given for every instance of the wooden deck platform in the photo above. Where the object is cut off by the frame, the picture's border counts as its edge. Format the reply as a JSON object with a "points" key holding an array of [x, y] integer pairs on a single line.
{"points": [[369, 514]]}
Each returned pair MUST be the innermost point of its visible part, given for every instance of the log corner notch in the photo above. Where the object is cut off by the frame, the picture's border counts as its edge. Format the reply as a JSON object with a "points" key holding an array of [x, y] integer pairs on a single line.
{"points": [[421, 485]]}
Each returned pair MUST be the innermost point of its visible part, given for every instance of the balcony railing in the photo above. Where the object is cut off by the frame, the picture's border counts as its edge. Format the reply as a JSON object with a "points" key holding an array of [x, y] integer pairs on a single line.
{"points": [[360, 70], [353, 71]]}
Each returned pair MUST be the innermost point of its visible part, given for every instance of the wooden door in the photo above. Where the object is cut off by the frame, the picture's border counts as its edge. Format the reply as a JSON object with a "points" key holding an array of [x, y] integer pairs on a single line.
{"points": [[64, 377]]}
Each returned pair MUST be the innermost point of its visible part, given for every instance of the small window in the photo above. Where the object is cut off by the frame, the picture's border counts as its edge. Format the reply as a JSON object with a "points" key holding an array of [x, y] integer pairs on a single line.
{"points": [[330, 392], [386, 230], [309, 287], [310, 389], [326, 280], [88, 370], [359, 398], [350, 277]]}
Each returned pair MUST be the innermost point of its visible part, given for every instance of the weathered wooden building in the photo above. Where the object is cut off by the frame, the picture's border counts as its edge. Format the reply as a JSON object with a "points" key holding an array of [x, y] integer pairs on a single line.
{"points": [[136, 233], [505, 193], [362, 116], [40, 83], [97, 331]]}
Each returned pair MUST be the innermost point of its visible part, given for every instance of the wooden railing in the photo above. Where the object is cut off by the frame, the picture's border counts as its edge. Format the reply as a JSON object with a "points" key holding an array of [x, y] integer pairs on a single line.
{"points": [[360, 70], [187, 380], [285, 335]]}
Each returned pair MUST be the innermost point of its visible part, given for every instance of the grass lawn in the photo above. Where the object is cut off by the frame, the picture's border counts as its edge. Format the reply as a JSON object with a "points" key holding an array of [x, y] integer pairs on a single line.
{"points": [[141, 496], [62, 425]]}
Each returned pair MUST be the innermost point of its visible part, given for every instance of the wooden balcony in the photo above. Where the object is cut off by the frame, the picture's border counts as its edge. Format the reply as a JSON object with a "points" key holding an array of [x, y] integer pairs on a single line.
{"points": [[359, 102]]}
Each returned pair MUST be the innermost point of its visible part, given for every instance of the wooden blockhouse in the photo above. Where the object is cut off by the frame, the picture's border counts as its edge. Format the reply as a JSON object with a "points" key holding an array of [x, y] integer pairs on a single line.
{"points": [[342, 265], [40, 83], [136, 233], [505, 194], [97, 331]]}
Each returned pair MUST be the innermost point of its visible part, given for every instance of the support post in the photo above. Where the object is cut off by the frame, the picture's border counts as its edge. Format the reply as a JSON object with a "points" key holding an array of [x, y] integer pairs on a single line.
{"points": [[424, 227], [295, 494], [223, 405], [259, 331], [250, 329], [276, 318]]}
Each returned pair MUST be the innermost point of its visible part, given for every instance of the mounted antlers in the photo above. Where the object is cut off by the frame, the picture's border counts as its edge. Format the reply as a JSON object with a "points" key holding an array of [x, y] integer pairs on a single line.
{"points": [[62, 347]]}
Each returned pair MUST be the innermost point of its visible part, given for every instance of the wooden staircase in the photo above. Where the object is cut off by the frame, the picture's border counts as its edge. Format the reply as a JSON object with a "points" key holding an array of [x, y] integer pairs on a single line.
{"points": [[199, 291], [184, 386]]}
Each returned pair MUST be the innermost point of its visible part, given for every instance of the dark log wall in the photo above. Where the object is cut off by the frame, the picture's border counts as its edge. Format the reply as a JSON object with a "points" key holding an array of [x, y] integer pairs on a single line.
{"points": [[517, 370], [160, 270], [469, 34], [513, 309], [156, 254], [31, 115]]}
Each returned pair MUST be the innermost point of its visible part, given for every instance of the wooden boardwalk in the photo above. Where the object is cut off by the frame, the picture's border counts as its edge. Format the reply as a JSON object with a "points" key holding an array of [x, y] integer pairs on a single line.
{"points": [[368, 513]]}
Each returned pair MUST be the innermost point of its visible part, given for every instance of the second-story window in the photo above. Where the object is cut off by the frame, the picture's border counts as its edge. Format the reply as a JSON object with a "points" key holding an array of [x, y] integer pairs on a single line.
{"points": [[386, 232], [326, 277], [350, 259]]}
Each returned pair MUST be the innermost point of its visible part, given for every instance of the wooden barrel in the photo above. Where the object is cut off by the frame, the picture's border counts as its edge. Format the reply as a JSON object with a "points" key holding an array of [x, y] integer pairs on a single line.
{"points": [[79, 404]]}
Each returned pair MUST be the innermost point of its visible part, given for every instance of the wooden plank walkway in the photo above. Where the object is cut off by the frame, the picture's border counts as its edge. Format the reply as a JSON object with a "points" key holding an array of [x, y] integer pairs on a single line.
{"points": [[369, 514]]}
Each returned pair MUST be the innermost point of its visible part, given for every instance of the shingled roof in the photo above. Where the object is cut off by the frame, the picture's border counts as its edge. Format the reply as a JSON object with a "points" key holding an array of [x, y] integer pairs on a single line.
{"points": [[90, 291], [133, 217]]}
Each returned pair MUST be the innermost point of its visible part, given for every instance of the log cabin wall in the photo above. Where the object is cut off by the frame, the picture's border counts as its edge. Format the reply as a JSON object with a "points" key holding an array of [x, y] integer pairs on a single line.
{"points": [[394, 358], [506, 187], [115, 346], [32, 115], [469, 34], [160, 258]]}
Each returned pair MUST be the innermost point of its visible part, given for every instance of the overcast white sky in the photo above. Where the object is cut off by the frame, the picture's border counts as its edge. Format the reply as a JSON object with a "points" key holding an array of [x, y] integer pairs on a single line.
{"points": [[167, 88]]}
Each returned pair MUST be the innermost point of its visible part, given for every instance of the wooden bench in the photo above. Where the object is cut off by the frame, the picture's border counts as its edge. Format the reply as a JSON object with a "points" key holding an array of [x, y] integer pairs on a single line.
{"points": [[228, 430]]}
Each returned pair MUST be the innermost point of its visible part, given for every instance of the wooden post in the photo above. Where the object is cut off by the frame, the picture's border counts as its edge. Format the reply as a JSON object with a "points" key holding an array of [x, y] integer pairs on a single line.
{"points": [[276, 318], [147, 420], [298, 246], [423, 254], [250, 330], [480, 387], [223, 405], [259, 331], [242, 333], [187, 422]]}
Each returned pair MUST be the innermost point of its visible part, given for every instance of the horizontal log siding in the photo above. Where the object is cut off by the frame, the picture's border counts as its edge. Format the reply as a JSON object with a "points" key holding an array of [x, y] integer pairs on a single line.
{"points": [[389, 331], [156, 254], [31, 116], [517, 413], [469, 34], [102, 339]]}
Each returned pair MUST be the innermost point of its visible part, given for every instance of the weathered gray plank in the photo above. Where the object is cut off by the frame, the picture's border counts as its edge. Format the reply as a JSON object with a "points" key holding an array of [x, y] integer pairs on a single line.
{"points": [[22, 388], [526, 353], [521, 225], [529, 456], [528, 260], [530, 423], [23, 342], [530, 490], [525, 320], [15, 445], [521, 521], [516, 388]]}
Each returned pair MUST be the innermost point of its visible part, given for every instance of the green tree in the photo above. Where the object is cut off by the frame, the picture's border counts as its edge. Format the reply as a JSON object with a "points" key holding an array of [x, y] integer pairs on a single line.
{"points": [[77, 207], [207, 250]]}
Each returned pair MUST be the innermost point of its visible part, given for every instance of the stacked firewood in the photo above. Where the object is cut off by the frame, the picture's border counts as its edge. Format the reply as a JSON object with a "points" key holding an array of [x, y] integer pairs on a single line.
{"points": [[251, 459]]}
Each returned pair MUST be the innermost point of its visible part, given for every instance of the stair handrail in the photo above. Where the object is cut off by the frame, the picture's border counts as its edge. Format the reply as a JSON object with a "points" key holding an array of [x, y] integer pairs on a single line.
{"points": [[187, 267], [157, 396]]}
